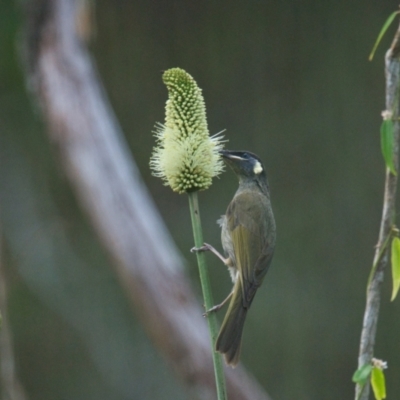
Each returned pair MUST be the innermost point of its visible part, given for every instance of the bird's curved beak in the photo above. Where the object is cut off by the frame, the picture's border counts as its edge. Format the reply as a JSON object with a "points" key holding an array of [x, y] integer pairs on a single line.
{"points": [[230, 155]]}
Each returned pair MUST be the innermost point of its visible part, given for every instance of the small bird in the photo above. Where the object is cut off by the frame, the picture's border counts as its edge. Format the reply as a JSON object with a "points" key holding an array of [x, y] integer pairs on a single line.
{"points": [[248, 238]]}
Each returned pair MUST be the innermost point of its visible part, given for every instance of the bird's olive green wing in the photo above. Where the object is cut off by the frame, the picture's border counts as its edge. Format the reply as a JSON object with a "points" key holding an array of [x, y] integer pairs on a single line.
{"points": [[252, 228]]}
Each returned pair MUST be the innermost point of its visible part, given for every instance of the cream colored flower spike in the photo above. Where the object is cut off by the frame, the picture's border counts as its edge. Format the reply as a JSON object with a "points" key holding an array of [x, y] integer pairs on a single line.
{"points": [[185, 157]]}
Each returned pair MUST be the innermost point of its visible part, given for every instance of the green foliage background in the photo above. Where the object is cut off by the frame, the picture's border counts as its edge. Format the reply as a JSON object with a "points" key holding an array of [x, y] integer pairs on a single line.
{"points": [[289, 81]]}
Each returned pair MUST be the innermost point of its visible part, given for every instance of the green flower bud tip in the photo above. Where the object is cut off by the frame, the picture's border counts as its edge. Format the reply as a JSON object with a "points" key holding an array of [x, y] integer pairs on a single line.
{"points": [[185, 156]]}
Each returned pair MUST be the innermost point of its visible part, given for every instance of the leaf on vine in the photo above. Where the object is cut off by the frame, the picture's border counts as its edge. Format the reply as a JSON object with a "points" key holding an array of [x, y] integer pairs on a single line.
{"points": [[362, 374], [382, 33], [395, 266], [378, 383]]}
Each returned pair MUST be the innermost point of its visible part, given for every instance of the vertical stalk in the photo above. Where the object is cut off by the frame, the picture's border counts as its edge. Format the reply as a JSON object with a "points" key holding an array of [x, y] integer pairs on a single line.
{"points": [[207, 295], [381, 258]]}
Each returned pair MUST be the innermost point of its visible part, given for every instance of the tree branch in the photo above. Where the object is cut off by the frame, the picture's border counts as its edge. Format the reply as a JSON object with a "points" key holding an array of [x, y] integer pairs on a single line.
{"points": [[107, 184], [381, 258]]}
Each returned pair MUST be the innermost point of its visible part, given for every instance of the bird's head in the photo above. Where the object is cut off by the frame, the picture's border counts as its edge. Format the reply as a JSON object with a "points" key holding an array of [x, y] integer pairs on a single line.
{"points": [[247, 166]]}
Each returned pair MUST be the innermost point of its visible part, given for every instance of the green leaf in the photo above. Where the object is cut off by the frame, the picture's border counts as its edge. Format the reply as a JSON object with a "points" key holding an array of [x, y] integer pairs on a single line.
{"points": [[395, 266], [387, 144], [382, 33], [362, 374], [378, 383]]}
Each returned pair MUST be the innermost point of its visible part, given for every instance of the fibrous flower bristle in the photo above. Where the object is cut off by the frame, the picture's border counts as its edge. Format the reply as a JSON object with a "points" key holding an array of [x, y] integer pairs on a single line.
{"points": [[185, 157]]}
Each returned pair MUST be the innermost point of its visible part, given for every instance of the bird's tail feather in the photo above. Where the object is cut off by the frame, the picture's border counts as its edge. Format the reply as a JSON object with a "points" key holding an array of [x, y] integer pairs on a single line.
{"points": [[230, 335]]}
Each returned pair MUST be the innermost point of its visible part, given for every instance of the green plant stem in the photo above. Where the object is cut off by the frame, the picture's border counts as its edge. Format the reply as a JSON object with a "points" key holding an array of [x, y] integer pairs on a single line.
{"points": [[207, 295]]}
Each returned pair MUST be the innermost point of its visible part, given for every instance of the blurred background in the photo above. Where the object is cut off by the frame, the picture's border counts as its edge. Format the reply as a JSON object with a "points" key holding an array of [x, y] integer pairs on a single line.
{"points": [[288, 80]]}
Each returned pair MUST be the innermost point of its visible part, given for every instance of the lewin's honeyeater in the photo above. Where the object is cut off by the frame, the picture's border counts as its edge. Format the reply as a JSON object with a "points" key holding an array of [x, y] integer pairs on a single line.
{"points": [[248, 239]]}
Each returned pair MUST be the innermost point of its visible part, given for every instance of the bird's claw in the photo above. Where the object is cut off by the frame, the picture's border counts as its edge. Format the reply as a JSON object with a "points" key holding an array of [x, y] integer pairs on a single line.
{"points": [[211, 310], [205, 247]]}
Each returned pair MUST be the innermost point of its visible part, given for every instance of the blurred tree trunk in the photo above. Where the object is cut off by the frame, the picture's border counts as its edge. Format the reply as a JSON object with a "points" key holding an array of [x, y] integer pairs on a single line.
{"points": [[100, 168]]}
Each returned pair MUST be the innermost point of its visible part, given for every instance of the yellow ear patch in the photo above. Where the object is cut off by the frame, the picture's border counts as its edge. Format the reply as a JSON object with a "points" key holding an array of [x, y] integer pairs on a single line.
{"points": [[257, 168]]}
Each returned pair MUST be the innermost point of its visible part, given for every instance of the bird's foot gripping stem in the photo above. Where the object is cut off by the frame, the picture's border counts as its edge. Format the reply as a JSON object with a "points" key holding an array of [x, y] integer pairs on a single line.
{"points": [[218, 306], [212, 310], [208, 247], [205, 247]]}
